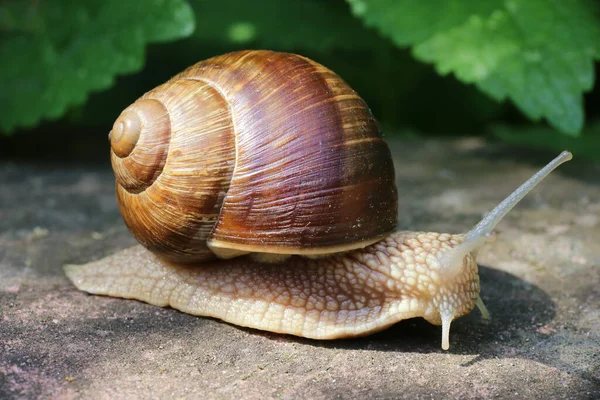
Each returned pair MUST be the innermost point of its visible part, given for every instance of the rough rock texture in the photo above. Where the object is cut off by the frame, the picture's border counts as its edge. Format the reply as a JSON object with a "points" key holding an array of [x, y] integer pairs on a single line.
{"points": [[540, 281]]}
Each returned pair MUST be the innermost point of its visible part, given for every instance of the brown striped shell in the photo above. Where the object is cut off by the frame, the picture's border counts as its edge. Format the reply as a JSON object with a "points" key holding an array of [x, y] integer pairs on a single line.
{"points": [[253, 152]]}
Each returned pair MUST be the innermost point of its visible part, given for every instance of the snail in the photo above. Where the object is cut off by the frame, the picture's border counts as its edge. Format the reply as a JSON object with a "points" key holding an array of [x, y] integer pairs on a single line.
{"points": [[262, 194]]}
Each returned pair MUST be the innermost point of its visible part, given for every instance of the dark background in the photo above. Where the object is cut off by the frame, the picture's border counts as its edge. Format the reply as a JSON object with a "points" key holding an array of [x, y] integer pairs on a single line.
{"points": [[408, 97]]}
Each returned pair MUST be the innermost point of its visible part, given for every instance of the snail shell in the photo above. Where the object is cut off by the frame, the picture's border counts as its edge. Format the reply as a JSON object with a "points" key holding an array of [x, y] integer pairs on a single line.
{"points": [[253, 152]]}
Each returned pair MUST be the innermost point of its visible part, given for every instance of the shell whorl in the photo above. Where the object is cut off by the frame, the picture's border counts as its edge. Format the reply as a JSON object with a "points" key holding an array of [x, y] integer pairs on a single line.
{"points": [[139, 141], [189, 148], [258, 151]]}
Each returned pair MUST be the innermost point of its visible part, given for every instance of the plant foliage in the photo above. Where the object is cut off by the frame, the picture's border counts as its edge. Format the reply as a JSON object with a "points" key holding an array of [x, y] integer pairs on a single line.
{"points": [[538, 53], [54, 52]]}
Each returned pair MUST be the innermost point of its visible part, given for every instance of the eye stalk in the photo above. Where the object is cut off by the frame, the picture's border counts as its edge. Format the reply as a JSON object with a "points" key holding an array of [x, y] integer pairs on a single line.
{"points": [[483, 231], [453, 261]]}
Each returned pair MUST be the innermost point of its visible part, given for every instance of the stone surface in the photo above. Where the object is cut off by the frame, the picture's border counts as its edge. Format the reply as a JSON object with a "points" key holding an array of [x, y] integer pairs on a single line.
{"points": [[540, 281]]}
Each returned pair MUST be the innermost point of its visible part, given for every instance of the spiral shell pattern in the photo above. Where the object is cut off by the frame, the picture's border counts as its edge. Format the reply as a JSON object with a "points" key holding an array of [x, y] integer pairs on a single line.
{"points": [[253, 152]]}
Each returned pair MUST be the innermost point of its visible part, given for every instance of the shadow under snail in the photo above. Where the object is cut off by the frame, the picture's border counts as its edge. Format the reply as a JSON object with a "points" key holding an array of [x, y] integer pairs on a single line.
{"points": [[262, 194]]}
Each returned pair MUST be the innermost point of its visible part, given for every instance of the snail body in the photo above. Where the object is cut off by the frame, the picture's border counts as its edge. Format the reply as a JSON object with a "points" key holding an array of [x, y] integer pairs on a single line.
{"points": [[273, 155]]}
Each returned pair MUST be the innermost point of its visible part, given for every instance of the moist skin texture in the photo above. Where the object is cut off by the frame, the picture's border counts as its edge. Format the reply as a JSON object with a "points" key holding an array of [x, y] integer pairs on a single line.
{"points": [[346, 295]]}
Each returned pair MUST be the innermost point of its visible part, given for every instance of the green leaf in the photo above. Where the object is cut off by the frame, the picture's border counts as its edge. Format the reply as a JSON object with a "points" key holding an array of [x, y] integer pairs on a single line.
{"points": [[408, 22], [538, 53], [56, 52], [281, 24]]}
